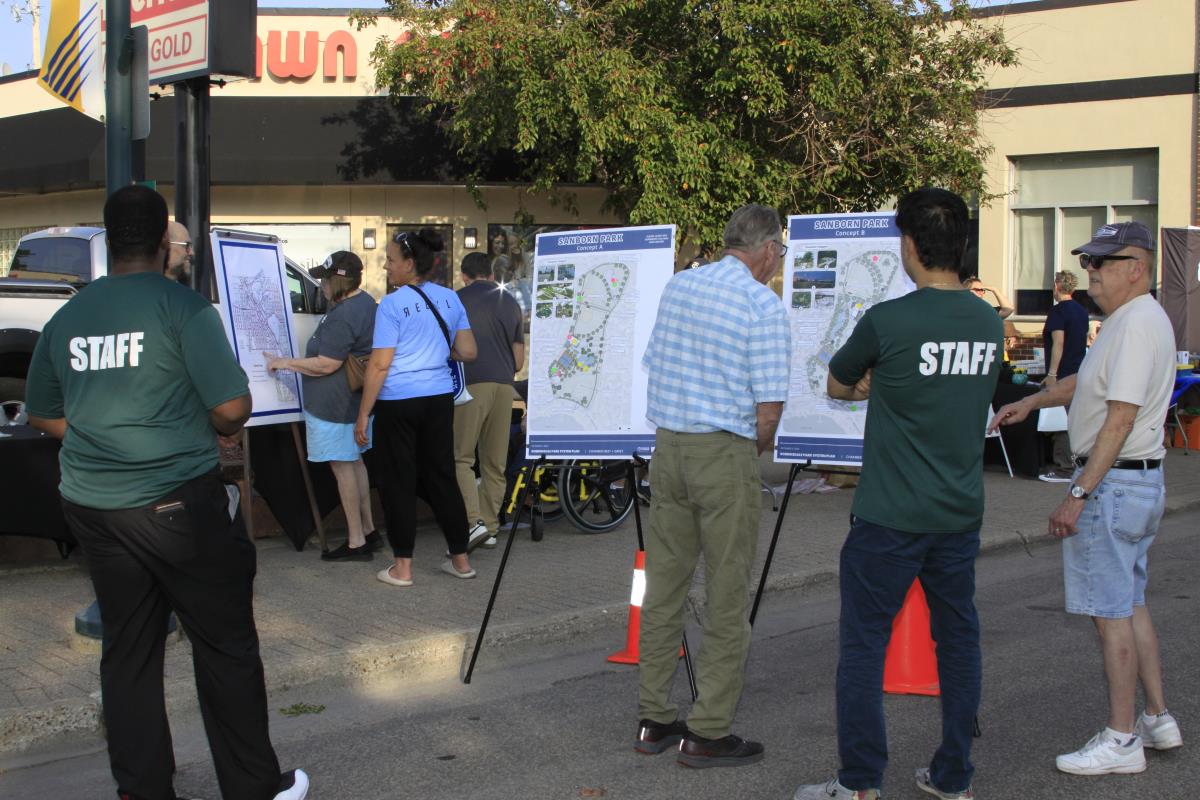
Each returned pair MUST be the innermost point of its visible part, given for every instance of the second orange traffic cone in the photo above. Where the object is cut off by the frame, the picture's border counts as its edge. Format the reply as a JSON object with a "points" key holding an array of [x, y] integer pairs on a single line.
{"points": [[911, 665]]}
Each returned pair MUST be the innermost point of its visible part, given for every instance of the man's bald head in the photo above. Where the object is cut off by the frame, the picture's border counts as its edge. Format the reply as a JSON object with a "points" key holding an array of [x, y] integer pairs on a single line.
{"points": [[179, 256]]}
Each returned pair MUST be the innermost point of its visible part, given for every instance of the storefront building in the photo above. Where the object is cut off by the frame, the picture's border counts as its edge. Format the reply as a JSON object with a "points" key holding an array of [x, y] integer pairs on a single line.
{"points": [[1097, 123]]}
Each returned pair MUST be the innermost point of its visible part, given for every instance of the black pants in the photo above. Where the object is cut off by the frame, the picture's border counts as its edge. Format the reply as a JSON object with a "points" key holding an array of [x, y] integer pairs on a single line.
{"points": [[183, 553], [414, 440]]}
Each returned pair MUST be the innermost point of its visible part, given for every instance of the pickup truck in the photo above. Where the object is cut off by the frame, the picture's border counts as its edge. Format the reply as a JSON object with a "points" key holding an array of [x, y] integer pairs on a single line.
{"points": [[49, 267]]}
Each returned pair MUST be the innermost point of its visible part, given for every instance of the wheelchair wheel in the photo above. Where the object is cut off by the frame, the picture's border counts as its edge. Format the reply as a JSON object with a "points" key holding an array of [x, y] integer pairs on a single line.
{"points": [[593, 494], [537, 525]]}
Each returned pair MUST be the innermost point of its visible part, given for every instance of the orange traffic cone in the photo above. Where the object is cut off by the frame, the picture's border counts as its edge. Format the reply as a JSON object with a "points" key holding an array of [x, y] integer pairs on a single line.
{"points": [[630, 654], [911, 665]]}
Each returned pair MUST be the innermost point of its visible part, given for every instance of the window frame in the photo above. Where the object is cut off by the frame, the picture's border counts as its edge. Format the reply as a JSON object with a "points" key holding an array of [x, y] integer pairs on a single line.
{"points": [[1109, 205]]}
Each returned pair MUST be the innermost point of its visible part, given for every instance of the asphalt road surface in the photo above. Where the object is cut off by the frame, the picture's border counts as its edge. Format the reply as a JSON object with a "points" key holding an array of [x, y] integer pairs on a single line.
{"points": [[562, 726]]}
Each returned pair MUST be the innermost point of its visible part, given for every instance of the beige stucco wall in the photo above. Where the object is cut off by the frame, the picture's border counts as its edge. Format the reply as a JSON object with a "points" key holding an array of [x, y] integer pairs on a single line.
{"points": [[1087, 44], [1098, 42]]}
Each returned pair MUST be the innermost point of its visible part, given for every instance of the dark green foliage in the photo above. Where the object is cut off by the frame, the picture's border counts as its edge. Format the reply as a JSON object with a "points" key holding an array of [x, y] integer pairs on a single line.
{"points": [[685, 110]]}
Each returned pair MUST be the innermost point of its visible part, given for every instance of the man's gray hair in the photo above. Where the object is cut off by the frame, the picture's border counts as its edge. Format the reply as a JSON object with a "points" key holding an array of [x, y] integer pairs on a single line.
{"points": [[750, 226]]}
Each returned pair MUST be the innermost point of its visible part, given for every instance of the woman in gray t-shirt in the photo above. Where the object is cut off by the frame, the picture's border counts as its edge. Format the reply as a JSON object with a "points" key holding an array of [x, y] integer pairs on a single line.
{"points": [[330, 408]]}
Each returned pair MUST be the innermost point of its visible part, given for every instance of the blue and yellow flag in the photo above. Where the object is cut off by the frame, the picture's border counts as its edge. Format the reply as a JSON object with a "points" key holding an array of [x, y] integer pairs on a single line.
{"points": [[73, 70]]}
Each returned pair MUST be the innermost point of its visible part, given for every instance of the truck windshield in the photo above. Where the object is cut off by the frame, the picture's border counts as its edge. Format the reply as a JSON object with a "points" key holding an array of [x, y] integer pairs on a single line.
{"points": [[56, 258]]}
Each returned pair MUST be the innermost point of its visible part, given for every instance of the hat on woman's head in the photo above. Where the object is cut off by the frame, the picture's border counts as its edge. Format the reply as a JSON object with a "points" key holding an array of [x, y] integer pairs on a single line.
{"points": [[343, 262]]}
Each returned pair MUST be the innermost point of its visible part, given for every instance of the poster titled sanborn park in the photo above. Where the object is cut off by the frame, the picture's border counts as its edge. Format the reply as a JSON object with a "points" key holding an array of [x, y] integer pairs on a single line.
{"points": [[595, 298], [837, 267]]}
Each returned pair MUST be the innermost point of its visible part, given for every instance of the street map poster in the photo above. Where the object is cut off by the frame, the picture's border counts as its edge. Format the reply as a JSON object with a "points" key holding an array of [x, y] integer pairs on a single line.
{"points": [[256, 308], [595, 299], [837, 267]]}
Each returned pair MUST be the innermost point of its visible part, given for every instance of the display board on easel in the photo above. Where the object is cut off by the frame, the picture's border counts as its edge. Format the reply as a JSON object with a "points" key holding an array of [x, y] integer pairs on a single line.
{"points": [[838, 266], [256, 309], [595, 298]]}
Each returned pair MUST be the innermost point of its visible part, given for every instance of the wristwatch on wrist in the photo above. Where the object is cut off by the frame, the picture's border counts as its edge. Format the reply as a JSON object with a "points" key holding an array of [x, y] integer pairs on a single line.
{"points": [[1077, 492]]}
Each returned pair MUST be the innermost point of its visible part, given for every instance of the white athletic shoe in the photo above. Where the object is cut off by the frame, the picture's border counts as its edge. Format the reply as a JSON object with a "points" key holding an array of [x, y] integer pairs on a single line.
{"points": [[833, 790], [477, 535], [1106, 753], [299, 788], [1159, 732], [925, 784]]}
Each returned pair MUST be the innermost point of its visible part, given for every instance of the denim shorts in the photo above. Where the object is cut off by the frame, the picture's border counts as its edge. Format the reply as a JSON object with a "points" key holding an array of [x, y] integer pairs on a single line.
{"points": [[1104, 564], [333, 441]]}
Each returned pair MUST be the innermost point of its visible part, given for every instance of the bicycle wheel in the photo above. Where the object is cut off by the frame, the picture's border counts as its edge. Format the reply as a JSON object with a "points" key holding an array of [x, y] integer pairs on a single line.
{"points": [[548, 499], [593, 494]]}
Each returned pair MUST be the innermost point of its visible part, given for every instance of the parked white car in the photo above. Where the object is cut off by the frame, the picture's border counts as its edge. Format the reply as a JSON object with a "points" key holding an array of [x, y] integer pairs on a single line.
{"points": [[51, 265]]}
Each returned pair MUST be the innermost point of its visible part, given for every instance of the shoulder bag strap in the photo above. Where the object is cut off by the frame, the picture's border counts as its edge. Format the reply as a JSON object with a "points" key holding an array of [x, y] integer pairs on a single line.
{"points": [[433, 308]]}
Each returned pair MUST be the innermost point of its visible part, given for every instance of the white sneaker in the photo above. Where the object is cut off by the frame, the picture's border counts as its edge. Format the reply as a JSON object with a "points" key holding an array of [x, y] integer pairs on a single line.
{"points": [[490, 542], [1159, 732], [299, 788], [1107, 752], [925, 784], [477, 535], [833, 790]]}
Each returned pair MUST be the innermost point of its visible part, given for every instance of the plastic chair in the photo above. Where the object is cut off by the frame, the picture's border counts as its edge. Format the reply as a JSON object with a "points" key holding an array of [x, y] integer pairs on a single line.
{"points": [[996, 435]]}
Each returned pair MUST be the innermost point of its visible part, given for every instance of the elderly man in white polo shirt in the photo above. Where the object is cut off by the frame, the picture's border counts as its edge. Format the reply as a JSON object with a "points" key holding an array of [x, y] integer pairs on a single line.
{"points": [[1110, 516]]}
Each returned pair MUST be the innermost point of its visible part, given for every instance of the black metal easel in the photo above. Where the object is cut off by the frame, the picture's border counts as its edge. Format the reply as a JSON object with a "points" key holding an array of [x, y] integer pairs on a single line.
{"points": [[543, 463], [762, 581]]}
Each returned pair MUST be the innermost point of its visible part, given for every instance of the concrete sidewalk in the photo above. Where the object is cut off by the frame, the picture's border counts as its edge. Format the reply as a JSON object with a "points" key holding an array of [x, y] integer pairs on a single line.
{"points": [[319, 620]]}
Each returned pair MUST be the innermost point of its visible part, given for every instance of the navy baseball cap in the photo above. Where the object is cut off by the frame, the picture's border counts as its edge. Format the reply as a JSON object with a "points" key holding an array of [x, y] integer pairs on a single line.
{"points": [[1108, 239], [343, 262]]}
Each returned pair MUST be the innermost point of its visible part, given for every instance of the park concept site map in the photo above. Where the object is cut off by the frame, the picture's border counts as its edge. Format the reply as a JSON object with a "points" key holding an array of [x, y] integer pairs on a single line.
{"points": [[582, 330], [829, 284], [256, 312], [595, 298]]}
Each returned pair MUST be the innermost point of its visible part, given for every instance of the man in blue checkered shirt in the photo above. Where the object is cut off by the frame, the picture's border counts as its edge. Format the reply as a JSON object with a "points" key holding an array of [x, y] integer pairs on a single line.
{"points": [[718, 376]]}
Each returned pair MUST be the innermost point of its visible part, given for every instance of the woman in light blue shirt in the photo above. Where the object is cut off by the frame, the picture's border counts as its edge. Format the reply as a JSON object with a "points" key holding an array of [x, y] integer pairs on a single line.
{"points": [[409, 388]]}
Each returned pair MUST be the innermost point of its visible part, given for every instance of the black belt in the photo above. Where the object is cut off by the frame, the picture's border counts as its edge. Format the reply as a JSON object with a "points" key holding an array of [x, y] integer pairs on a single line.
{"points": [[1126, 463]]}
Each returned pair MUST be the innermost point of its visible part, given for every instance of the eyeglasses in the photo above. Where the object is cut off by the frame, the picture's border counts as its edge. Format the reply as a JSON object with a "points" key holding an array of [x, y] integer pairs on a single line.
{"points": [[1096, 262], [186, 245], [782, 247]]}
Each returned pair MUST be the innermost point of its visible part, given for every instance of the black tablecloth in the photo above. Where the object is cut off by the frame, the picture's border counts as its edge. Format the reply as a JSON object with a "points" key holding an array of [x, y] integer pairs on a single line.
{"points": [[29, 503], [278, 480], [1025, 445]]}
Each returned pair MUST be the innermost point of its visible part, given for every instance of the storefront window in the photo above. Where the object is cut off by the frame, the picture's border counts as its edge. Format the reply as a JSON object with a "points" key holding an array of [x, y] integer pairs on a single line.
{"points": [[306, 243], [1060, 200]]}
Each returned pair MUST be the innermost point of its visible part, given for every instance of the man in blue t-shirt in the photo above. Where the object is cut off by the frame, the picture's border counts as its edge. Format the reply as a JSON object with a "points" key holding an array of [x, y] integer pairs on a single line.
{"points": [[1064, 337]]}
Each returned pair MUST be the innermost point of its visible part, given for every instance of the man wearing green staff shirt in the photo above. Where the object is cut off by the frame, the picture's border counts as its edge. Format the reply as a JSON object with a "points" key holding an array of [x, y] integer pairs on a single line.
{"points": [[929, 362], [136, 377]]}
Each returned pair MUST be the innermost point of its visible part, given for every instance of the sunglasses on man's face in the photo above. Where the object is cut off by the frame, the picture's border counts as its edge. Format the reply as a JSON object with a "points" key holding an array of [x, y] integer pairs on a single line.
{"points": [[1096, 262]]}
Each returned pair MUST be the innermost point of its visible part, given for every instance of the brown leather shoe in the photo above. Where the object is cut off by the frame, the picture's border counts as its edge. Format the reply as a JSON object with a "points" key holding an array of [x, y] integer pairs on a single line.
{"points": [[728, 751], [655, 737]]}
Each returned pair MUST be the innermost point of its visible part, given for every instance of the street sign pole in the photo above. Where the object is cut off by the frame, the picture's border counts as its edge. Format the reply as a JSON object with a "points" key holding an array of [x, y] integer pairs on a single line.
{"points": [[192, 174], [118, 164]]}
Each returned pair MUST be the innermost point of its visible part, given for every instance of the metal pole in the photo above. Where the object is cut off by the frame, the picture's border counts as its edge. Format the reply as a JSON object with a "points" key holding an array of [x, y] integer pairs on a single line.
{"points": [[117, 97], [192, 175]]}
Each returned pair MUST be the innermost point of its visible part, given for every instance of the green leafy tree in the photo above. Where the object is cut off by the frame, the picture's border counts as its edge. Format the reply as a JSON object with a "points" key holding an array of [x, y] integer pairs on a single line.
{"points": [[684, 110]]}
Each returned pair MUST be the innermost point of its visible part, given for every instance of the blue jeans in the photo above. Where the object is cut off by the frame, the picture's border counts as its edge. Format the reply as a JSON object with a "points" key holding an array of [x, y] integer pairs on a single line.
{"points": [[878, 565], [1104, 564]]}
